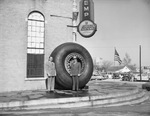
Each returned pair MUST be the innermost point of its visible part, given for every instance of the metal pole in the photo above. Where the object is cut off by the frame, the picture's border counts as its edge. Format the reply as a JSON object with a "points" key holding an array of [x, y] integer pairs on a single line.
{"points": [[74, 22], [140, 61], [114, 55]]}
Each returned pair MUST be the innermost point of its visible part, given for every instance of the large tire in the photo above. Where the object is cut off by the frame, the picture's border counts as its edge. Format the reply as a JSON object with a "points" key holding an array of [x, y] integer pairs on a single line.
{"points": [[62, 55]]}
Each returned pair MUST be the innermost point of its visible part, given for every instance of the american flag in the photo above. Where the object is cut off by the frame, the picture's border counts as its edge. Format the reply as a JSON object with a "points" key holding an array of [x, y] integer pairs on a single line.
{"points": [[116, 57]]}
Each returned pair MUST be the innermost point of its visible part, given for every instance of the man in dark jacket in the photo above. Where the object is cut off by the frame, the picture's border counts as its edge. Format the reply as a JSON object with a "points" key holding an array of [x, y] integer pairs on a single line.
{"points": [[75, 72]]}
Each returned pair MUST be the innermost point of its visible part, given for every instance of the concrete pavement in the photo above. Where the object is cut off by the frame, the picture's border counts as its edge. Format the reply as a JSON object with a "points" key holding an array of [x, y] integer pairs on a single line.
{"points": [[110, 92]]}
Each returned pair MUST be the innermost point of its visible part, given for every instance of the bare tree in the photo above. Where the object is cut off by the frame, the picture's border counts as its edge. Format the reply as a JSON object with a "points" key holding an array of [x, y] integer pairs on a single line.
{"points": [[106, 65], [127, 59], [97, 67]]}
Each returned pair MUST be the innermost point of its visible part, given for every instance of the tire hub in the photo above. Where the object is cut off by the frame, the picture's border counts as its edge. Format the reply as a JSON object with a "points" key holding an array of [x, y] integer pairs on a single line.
{"points": [[69, 59]]}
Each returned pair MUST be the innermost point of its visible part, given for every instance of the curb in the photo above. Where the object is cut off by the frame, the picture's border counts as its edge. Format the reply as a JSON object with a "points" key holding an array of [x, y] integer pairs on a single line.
{"points": [[103, 100]]}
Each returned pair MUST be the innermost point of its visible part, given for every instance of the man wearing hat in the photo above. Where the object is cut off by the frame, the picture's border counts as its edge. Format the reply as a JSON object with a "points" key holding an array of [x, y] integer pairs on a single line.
{"points": [[75, 72]]}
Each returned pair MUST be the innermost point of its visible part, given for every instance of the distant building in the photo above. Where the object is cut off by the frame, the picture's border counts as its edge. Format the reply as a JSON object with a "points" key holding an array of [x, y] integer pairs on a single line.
{"points": [[29, 32], [121, 69]]}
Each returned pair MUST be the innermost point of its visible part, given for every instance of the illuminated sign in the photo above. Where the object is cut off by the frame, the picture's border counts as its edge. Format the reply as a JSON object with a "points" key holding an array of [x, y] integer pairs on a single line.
{"points": [[86, 10], [87, 28]]}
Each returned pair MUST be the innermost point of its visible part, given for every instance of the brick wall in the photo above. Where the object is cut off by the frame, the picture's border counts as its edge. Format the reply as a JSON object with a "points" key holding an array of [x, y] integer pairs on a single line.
{"points": [[13, 36]]}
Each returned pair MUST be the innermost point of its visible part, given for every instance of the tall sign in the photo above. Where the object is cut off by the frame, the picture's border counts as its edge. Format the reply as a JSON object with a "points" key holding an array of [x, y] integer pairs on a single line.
{"points": [[87, 27], [86, 10]]}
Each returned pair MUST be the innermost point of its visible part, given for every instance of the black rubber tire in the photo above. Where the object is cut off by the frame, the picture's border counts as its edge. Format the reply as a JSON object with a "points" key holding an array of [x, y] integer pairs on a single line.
{"points": [[63, 80]]}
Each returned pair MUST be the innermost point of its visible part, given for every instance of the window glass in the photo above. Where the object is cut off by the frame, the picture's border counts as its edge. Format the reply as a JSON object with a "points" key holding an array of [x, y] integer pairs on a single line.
{"points": [[35, 45]]}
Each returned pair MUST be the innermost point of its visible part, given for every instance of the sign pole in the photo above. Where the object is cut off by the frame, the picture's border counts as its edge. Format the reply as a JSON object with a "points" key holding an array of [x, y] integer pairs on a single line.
{"points": [[74, 20]]}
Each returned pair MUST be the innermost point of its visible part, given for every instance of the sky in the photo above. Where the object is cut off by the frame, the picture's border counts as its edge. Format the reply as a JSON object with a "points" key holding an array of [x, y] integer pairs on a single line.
{"points": [[121, 24]]}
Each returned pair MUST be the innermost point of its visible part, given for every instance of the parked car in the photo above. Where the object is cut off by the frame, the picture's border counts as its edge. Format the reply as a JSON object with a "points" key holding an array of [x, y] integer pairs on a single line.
{"points": [[98, 77], [144, 77], [105, 75], [128, 77], [96, 73], [115, 76]]}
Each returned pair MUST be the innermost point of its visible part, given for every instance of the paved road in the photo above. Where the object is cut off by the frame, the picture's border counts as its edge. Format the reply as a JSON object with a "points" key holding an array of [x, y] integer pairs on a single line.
{"points": [[135, 110]]}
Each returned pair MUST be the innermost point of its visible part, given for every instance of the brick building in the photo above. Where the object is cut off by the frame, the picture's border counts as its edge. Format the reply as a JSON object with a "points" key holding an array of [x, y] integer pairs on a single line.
{"points": [[29, 31]]}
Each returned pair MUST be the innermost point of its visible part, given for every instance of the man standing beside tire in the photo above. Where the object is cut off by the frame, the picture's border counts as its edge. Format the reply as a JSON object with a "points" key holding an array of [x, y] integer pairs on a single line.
{"points": [[51, 74], [75, 72]]}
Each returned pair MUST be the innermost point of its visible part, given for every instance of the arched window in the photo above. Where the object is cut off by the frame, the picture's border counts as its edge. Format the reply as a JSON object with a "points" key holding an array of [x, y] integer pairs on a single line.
{"points": [[35, 45]]}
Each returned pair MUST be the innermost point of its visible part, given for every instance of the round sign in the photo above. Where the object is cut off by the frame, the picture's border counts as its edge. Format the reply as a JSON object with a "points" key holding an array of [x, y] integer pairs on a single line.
{"points": [[87, 28]]}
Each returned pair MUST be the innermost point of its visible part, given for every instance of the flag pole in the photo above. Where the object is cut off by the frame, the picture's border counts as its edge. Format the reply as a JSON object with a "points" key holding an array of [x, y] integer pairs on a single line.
{"points": [[114, 55]]}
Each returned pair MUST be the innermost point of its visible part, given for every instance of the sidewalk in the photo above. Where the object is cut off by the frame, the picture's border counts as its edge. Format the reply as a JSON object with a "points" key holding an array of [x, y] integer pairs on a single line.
{"points": [[43, 94], [96, 89]]}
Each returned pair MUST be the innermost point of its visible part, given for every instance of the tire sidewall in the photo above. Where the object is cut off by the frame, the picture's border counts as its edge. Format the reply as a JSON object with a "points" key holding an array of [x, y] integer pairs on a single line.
{"points": [[63, 78]]}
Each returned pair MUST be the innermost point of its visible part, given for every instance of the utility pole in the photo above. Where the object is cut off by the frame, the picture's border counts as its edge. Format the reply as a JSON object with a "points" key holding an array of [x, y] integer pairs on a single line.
{"points": [[140, 61]]}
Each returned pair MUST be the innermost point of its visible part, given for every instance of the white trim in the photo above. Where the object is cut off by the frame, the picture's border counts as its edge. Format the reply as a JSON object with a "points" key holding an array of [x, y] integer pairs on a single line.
{"points": [[35, 78]]}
